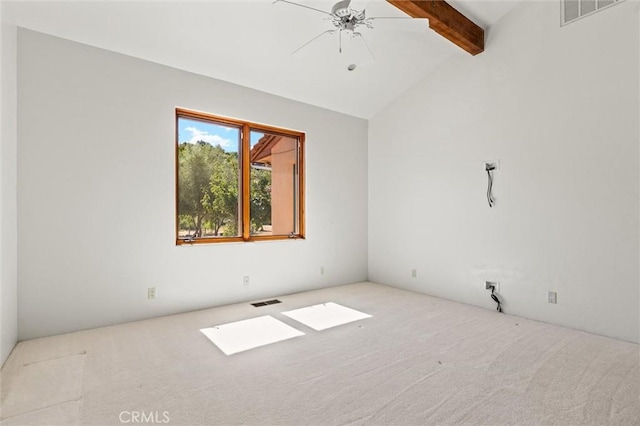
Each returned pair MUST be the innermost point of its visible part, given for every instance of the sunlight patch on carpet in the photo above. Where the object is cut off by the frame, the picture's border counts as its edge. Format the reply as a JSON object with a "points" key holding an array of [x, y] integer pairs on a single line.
{"points": [[325, 315], [243, 335]]}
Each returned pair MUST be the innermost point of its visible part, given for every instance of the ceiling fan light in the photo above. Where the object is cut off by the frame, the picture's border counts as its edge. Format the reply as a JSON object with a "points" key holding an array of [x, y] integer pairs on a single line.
{"points": [[341, 9]]}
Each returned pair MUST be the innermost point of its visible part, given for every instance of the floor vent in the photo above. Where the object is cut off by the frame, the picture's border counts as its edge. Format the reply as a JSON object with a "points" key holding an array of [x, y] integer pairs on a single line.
{"points": [[266, 302], [572, 10]]}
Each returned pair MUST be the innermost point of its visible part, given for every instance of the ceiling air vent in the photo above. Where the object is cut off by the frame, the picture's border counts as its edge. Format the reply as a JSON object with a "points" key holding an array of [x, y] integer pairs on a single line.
{"points": [[572, 10]]}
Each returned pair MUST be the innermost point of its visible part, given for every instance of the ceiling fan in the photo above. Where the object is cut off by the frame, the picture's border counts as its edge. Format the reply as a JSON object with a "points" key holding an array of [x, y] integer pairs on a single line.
{"points": [[344, 20]]}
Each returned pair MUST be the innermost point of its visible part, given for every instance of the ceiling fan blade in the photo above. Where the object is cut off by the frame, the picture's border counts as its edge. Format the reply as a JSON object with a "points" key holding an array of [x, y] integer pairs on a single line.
{"points": [[313, 39], [369, 21], [366, 44], [302, 5], [393, 17]]}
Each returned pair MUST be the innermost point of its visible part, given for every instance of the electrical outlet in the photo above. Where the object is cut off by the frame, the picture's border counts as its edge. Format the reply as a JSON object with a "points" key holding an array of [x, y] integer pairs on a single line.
{"points": [[552, 297], [151, 293], [414, 273], [492, 284], [245, 280], [322, 270]]}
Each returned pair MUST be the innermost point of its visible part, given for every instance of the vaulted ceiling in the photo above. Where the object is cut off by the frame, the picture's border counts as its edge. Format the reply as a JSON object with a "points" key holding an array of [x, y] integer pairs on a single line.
{"points": [[250, 43]]}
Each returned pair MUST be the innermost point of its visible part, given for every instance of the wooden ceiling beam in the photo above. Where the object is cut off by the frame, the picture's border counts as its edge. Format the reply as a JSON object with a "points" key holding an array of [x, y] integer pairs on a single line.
{"points": [[446, 21]]}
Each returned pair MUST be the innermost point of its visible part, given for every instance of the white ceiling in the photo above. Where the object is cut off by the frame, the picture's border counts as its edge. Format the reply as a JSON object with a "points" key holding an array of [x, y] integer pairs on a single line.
{"points": [[249, 42]]}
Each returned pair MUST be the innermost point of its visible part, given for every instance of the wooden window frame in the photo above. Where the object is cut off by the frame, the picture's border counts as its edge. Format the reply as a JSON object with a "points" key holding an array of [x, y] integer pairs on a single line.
{"points": [[245, 128]]}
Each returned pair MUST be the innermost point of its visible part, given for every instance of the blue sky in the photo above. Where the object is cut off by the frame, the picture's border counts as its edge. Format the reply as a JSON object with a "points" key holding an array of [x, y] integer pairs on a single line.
{"points": [[193, 131]]}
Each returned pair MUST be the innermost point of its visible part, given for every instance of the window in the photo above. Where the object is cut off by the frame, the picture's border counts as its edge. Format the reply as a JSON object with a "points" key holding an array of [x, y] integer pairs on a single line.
{"points": [[237, 181]]}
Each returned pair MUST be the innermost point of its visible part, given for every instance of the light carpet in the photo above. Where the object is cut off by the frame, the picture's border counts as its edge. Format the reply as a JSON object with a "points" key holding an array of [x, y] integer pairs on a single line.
{"points": [[418, 360]]}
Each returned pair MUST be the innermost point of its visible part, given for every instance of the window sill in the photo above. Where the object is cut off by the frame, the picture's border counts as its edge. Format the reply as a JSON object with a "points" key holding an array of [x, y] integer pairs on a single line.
{"points": [[209, 241]]}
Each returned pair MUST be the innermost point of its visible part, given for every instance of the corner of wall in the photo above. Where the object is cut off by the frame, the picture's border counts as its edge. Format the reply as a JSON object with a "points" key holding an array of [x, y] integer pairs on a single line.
{"points": [[637, 5], [8, 193]]}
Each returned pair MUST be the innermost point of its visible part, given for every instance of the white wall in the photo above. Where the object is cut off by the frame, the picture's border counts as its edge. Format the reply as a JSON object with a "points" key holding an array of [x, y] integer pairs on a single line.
{"points": [[559, 108], [96, 193], [8, 200]]}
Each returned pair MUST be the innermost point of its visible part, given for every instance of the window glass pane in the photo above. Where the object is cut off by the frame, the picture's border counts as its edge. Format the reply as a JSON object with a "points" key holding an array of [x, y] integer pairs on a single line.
{"points": [[273, 184], [208, 179]]}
